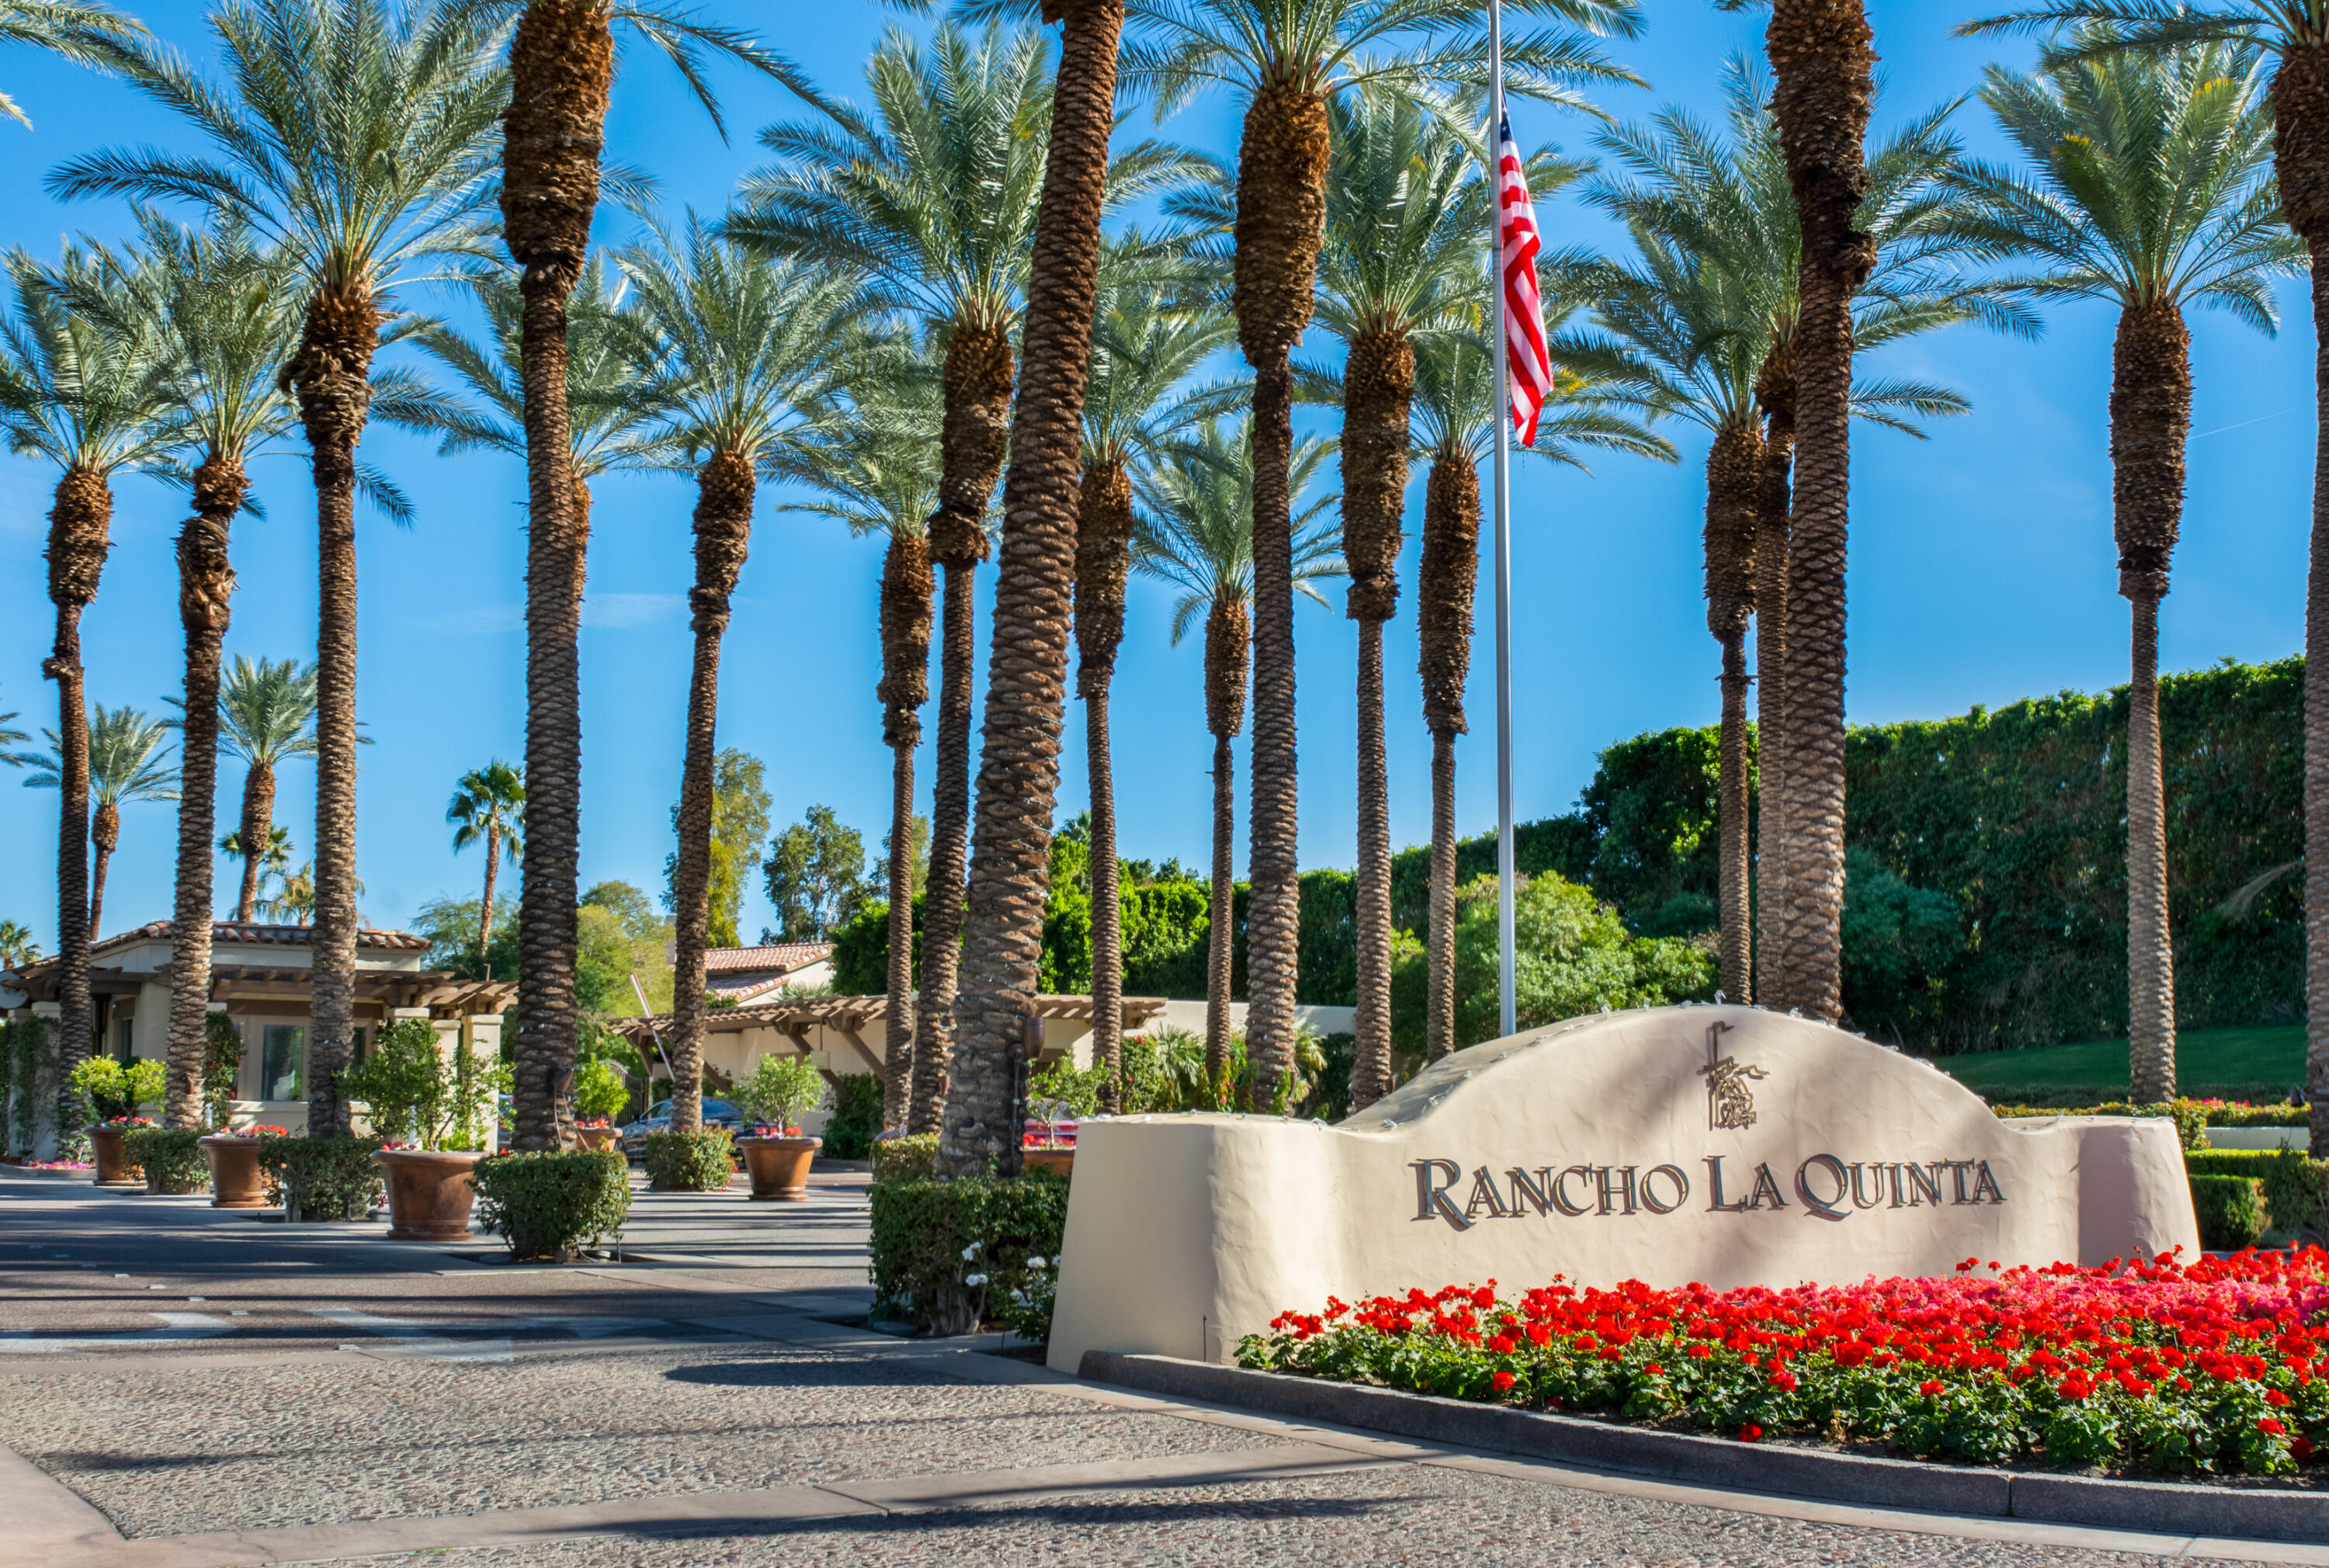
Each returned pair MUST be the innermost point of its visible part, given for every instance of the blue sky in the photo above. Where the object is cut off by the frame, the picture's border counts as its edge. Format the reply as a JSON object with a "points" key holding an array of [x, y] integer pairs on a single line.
{"points": [[1982, 568]]}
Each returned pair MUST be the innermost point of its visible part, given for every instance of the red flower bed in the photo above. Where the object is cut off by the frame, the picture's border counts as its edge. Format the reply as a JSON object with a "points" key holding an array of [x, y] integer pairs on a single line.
{"points": [[2215, 1366]]}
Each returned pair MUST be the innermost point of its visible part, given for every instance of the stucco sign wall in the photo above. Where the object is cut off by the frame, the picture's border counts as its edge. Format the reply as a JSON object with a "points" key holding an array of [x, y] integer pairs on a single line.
{"points": [[1725, 1145]]}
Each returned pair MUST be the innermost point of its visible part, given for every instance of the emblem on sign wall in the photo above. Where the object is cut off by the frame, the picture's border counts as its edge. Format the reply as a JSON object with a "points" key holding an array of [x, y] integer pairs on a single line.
{"points": [[1730, 1103]]}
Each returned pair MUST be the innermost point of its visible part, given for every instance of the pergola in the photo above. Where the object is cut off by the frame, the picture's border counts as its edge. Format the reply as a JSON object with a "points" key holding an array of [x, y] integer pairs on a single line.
{"points": [[844, 1016]]}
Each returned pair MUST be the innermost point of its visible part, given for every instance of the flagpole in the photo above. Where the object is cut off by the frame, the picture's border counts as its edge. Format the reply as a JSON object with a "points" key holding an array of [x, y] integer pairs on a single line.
{"points": [[1505, 969]]}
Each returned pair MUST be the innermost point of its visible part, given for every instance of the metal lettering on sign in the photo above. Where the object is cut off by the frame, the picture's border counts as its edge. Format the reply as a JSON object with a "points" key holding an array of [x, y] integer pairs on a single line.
{"points": [[1730, 1103]]}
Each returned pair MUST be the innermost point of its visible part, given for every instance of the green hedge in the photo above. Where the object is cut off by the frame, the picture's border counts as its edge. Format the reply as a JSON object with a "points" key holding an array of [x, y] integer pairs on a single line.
{"points": [[947, 1254], [2190, 1117], [321, 1178], [173, 1160], [857, 1117], [2296, 1186], [551, 1205], [913, 1158], [699, 1161], [2232, 1210]]}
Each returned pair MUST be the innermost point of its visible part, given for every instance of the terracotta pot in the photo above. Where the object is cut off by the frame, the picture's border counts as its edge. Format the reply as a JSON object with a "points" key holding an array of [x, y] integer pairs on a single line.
{"points": [[113, 1167], [596, 1138], [778, 1167], [1057, 1161], [235, 1182], [430, 1192]]}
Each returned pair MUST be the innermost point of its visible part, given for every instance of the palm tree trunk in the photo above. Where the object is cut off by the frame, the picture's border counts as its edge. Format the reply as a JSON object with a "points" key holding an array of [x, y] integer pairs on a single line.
{"points": [[329, 375], [723, 534], [1229, 640], [1776, 393], [485, 903], [561, 68], [1377, 386], [205, 585], [1103, 557], [79, 522], [2151, 418], [257, 829], [942, 890], [1018, 773], [104, 838], [1734, 472], [905, 686], [1281, 213], [1449, 573], [1821, 67]]}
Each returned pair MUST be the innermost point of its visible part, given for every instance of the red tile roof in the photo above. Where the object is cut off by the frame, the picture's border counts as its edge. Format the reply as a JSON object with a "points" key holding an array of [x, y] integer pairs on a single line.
{"points": [[780, 956], [284, 935]]}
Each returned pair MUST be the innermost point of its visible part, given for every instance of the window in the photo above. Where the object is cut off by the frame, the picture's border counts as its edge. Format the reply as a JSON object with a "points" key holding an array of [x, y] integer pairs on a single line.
{"points": [[359, 1042], [282, 1056], [125, 1033]]}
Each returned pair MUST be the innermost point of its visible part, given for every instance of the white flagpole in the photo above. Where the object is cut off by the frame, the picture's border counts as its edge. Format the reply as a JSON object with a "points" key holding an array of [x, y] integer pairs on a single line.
{"points": [[1505, 1011]]}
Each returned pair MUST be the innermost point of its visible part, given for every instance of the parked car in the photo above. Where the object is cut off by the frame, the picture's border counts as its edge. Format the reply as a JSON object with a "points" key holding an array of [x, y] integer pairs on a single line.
{"points": [[716, 1113]]}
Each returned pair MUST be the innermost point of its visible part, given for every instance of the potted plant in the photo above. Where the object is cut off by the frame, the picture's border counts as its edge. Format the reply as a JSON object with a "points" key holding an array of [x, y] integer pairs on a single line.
{"points": [[780, 1092], [235, 1179], [430, 1108], [115, 1092], [599, 1091], [1048, 1142]]}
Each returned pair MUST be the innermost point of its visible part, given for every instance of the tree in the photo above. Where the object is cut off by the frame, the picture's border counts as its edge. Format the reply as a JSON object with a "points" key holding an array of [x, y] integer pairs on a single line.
{"points": [[1456, 406], [742, 354], [84, 394], [1704, 318], [562, 69], [127, 763], [489, 804], [226, 316], [815, 872], [2150, 189], [12, 736], [1195, 531], [89, 34], [1286, 59], [630, 904], [357, 141], [266, 867], [267, 713], [17, 947]]}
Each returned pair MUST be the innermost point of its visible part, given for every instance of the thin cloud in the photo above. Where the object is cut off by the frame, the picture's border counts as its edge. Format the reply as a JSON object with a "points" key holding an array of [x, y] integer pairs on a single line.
{"points": [[618, 612]]}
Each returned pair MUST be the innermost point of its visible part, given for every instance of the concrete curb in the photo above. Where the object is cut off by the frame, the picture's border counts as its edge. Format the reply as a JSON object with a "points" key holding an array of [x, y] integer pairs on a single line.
{"points": [[2158, 1507]]}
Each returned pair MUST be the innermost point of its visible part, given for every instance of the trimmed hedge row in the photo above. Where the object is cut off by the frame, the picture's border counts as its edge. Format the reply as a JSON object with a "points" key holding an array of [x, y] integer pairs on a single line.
{"points": [[2232, 1210], [2296, 1186], [173, 1161], [912, 1158], [551, 1205], [946, 1254], [698, 1161], [321, 1178]]}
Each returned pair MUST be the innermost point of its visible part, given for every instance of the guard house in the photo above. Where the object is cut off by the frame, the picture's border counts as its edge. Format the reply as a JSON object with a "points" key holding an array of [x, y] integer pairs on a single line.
{"points": [[260, 980]]}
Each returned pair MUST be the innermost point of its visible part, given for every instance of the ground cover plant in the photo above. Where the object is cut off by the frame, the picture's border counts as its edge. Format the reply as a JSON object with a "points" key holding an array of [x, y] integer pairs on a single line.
{"points": [[2261, 1063], [2213, 1367]]}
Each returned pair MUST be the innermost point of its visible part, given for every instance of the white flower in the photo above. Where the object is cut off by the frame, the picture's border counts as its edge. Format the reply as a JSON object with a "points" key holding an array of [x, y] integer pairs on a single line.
{"points": [[974, 1279], [970, 1251], [1037, 1264]]}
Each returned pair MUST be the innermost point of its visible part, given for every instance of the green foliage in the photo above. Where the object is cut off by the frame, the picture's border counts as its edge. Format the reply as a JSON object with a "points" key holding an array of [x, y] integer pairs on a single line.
{"points": [[2296, 1186], [221, 1064], [30, 1041], [1026, 1308], [551, 1205], [2190, 1117], [856, 1116], [781, 1090], [451, 925], [1070, 1091], [600, 1089], [113, 1089], [2258, 1063], [815, 873], [170, 1156], [2232, 1211], [697, 1162], [942, 1251], [861, 949], [411, 1090], [321, 1178], [630, 907], [912, 1157]]}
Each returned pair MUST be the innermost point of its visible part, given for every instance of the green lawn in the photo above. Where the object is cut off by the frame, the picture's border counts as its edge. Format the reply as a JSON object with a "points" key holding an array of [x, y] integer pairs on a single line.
{"points": [[2205, 1060]]}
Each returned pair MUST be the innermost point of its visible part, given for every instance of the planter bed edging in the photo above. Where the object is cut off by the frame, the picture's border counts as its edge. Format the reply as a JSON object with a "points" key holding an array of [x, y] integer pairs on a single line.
{"points": [[2162, 1507]]}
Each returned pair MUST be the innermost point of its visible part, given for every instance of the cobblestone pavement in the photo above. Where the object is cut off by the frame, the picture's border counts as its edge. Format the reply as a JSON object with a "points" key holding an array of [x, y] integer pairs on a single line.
{"points": [[191, 1389]]}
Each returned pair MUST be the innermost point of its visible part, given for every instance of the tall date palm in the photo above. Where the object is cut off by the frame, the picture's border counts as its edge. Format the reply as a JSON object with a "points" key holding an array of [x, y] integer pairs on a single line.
{"points": [[489, 808], [127, 764], [267, 715]]}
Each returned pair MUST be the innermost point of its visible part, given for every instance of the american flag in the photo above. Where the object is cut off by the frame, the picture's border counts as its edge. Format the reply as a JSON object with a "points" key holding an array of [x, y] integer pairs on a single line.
{"points": [[1528, 368]]}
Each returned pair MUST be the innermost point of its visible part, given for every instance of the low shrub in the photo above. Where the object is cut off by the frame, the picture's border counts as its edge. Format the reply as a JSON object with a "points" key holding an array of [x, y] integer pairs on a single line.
{"points": [[2232, 1211], [913, 1156], [2233, 1097], [944, 1250], [321, 1178], [550, 1205], [1026, 1310], [600, 1089], [172, 1161], [856, 1116], [698, 1161], [2296, 1186]]}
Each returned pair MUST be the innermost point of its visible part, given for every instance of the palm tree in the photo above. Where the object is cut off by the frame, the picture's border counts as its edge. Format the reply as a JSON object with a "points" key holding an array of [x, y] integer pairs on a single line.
{"points": [[1704, 320], [86, 395], [267, 716], [272, 863], [1153, 328], [128, 757], [490, 804], [1288, 57], [1455, 407], [740, 354], [357, 141], [1194, 531], [17, 947], [874, 467], [2150, 189], [89, 34], [226, 316], [12, 736], [562, 69]]}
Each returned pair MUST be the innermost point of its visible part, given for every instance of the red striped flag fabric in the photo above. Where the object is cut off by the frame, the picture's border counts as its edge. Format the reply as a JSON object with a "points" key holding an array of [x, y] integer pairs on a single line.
{"points": [[1528, 368]]}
